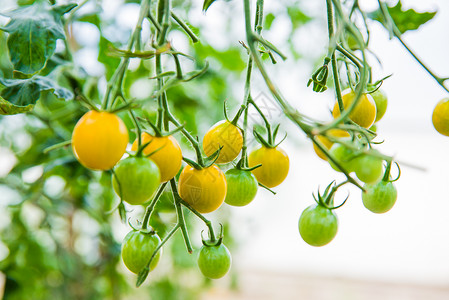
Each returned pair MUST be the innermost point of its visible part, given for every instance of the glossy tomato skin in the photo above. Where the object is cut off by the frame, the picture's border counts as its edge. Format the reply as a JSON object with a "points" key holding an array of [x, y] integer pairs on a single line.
{"points": [[226, 135], [381, 100], [335, 133], [318, 225], [99, 140], [379, 197], [137, 249], [168, 156], [368, 169], [214, 261], [344, 156], [242, 187], [205, 189], [363, 114], [138, 179], [275, 165], [440, 117]]}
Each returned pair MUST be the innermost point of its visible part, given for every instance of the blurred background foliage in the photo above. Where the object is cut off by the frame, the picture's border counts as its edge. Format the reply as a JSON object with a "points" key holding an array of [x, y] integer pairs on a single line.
{"points": [[59, 230]]}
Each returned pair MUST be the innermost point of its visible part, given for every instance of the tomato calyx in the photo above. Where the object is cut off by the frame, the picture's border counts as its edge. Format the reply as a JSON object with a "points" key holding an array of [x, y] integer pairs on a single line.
{"points": [[158, 132], [319, 78], [327, 198], [271, 141], [207, 162], [212, 241], [387, 174], [373, 87], [236, 117]]}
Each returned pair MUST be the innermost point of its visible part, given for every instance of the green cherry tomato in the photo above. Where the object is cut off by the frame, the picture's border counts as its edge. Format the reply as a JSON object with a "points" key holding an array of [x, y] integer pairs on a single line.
{"points": [[137, 249], [379, 197], [344, 156], [381, 103], [242, 187], [214, 261], [368, 169], [318, 225], [136, 179]]}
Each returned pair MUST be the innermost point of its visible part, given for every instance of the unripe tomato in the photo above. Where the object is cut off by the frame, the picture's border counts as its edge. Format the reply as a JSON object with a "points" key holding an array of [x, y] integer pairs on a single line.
{"points": [[318, 225], [138, 179], [440, 117], [226, 135], [242, 187], [99, 140], [205, 189], [275, 165], [368, 169], [379, 197], [344, 156], [137, 249], [169, 156], [214, 261], [336, 133], [381, 101], [363, 114]]}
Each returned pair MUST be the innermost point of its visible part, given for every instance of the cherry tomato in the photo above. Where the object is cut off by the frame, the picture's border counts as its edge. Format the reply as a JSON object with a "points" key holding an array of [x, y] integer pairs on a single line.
{"points": [[168, 155], [379, 197], [335, 133], [242, 187], [344, 156], [363, 114], [99, 140], [214, 261], [137, 249], [368, 169], [136, 179], [275, 165], [226, 135], [381, 100], [205, 189], [440, 117], [318, 225]]}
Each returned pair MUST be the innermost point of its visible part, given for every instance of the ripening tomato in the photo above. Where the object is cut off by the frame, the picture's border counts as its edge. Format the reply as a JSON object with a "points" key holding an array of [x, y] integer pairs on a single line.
{"points": [[335, 133], [226, 135], [214, 261], [242, 187], [205, 189], [368, 169], [99, 140], [344, 156], [440, 117], [381, 100], [275, 165], [137, 249], [363, 114], [168, 155], [318, 225], [379, 197], [136, 179]]}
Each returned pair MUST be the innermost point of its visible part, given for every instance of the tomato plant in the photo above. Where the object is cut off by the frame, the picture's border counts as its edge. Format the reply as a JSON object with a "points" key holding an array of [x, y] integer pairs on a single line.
{"points": [[205, 189], [137, 249], [368, 168], [165, 152], [99, 140], [333, 133], [226, 135], [274, 165], [318, 225], [364, 112], [344, 156], [136, 179], [379, 197], [440, 117], [241, 187], [214, 261]]}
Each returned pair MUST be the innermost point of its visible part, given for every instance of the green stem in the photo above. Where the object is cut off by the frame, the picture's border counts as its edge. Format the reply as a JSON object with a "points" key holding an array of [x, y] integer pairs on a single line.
{"points": [[184, 26], [152, 204], [180, 214]]}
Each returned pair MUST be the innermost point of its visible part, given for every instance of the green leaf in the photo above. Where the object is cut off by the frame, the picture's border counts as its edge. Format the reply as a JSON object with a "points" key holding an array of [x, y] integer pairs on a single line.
{"points": [[33, 31], [404, 19], [269, 18], [7, 108], [21, 93], [297, 17], [207, 4]]}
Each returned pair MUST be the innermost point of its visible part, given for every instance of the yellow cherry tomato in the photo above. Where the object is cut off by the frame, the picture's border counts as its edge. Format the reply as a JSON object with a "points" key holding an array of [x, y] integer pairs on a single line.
{"points": [[363, 114], [336, 133], [205, 190], [99, 140], [275, 165], [168, 156], [440, 117], [223, 134]]}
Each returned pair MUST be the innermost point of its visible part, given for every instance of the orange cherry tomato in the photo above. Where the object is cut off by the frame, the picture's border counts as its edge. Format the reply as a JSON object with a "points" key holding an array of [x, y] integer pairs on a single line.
{"points": [[168, 156], [99, 140], [205, 189], [275, 165], [226, 135]]}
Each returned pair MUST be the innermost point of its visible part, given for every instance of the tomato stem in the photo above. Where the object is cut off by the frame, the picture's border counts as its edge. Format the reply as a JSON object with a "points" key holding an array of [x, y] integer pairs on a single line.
{"points": [[150, 207]]}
